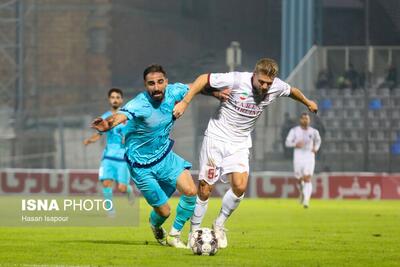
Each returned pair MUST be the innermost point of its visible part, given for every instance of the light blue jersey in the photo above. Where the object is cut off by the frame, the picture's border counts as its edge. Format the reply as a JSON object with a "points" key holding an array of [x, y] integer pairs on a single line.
{"points": [[113, 165], [115, 148], [153, 166], [150, 123]]}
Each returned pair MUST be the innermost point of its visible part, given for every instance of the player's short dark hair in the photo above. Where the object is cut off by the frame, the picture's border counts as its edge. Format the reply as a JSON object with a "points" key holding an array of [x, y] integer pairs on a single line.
{"points": [[153, 68], [115, 90]]}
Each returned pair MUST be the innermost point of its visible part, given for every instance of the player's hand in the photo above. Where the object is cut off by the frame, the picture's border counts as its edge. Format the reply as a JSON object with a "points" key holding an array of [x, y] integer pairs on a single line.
{"points": [[299, 144], [179, 109], [314, 151], [86, 142], [312, 106], [223, 95], [100, 125]]}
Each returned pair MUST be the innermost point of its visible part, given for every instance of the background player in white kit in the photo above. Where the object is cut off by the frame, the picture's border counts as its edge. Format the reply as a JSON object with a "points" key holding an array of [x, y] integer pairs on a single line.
{"points": [[306, 142], [225, 149]]}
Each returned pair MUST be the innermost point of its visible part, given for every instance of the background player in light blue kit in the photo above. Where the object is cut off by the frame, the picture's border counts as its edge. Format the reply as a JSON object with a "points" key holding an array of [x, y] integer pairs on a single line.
{"points": [[113, 166], [156, 170]]}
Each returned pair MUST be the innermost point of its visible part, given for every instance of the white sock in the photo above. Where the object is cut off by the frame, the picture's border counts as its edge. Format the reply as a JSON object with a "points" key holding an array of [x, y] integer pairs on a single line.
{"points": [[307, 191], [198, 214], [174, 232], [229, 203]]}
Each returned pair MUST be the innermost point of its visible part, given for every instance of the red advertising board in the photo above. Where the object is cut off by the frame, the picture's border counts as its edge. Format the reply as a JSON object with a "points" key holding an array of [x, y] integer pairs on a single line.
{"points": [[355, 186], [82, 182], [280, 186], [391, 187], [261, 184]]}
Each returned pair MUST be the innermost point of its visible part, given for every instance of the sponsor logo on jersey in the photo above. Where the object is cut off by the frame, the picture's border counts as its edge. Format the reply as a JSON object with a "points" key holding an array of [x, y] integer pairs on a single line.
{"points": [[246, 108]]}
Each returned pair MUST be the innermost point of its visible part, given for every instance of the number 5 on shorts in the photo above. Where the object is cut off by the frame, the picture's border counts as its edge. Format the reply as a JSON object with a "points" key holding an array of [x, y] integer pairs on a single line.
{"points": [[211, 173]]}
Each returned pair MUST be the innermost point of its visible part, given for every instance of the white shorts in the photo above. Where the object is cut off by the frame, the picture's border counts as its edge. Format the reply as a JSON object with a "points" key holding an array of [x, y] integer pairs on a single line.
{"points": [[218, 158], [304, 167]]}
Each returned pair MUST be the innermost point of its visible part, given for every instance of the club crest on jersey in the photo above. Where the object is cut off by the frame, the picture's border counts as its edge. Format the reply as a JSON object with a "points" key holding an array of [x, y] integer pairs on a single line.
{"points": [[243, 96]]}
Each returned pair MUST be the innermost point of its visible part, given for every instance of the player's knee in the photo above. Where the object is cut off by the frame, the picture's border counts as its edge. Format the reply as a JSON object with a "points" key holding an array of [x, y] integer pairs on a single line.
{"points": [[239, 184], [191, 191], [239, 189], [204, 195], [204, 190], [122, 188], [107, 183]]}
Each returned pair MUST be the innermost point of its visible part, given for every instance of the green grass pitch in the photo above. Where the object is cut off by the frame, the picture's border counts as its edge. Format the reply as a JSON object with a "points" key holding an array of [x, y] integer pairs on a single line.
{"points": [[262, 232]]}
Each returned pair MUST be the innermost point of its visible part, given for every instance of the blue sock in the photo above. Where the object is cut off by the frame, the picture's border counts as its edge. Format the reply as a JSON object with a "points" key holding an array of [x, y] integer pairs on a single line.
{"points": [[107, 193], [184, 211], [156, 219]]}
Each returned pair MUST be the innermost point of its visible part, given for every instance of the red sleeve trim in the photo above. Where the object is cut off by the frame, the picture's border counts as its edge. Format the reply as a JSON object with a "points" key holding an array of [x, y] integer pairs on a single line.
{"points": [[208, 80]]}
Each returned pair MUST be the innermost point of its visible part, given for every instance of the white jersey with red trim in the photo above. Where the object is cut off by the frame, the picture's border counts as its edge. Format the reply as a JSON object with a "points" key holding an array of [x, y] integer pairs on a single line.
{"points": [[237, 117]]}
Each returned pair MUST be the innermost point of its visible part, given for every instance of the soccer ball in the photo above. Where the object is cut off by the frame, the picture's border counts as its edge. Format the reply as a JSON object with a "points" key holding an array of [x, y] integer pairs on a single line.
{"points": [[204, 242]]}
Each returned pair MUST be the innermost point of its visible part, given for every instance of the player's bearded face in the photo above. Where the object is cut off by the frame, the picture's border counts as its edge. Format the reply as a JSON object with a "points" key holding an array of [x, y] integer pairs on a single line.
{"points": [[155, 84], [115, 100], [262, 82]]}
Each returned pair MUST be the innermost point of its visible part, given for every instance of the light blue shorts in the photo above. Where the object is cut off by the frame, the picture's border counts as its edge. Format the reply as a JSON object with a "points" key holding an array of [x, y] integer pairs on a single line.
{"points": [[157, 183], [114, 169]]}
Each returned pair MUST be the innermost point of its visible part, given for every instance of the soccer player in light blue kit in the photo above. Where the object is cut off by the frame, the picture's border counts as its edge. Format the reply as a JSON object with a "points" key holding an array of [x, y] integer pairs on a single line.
{"points": [[156, 170], [113, 167]]}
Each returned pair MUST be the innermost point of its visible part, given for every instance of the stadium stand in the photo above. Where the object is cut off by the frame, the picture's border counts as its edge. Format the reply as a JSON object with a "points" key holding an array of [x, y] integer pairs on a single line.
{"points": [[343, 111]]}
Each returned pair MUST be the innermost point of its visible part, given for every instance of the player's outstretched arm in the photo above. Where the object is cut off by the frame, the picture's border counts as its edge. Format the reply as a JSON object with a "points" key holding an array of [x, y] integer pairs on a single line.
{"points": [[93, 139], [104, 125], [297, 95], [194, 89]]}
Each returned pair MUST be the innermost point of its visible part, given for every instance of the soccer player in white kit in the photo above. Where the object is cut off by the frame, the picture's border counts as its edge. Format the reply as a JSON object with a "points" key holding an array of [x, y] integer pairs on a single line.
{"points": [[225, 149], [306, 142]]}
